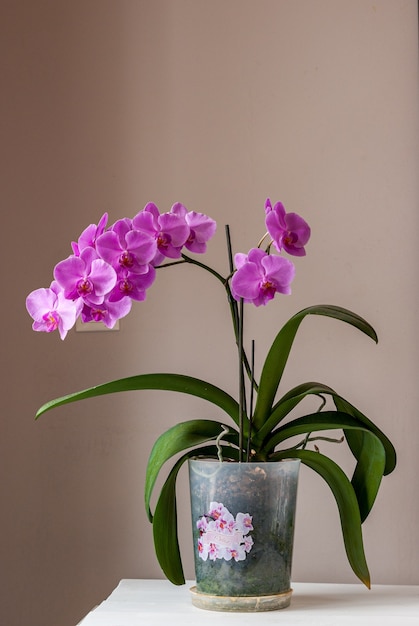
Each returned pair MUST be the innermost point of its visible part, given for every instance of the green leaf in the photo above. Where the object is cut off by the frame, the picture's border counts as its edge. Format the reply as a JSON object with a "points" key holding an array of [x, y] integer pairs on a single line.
{"points": [[285, 405], [369, 470], [165, 532], [167, 382], [370, 465], [374, 458], [176, 439], [346, 501], [356, 445], [277, 357], [314, 422], [297, 394], [370, 451]]}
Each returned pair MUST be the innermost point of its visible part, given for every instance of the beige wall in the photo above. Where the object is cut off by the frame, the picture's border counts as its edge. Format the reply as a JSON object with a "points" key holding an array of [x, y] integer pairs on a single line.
{"points": [[109, 104]]}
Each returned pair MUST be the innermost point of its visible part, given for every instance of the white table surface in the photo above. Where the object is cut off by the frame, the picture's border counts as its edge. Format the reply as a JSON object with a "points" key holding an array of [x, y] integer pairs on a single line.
{"points": [[159, 603]]}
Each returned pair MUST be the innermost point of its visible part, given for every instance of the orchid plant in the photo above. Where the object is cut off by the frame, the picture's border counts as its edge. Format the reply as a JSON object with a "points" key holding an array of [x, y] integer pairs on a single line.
{"points": [[110, 267]]}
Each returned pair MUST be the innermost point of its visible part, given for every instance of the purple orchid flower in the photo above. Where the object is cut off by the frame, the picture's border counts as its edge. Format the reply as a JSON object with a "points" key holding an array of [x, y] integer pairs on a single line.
{"points": [[86, 276], [201, 228], [132, 285], [260, 276], [107, 312], [50, 310], [127, 249], [89, 236], [289, 231], [169, 230]]}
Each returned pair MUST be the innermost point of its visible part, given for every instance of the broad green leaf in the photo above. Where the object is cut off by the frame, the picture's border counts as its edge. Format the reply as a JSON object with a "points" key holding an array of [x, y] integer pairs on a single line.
{"points": [[167, 382], [369, 470], [297, 394], [357, 445], [285, 405], [314, 422], [278, 354], [346, 501], [374, 452], [371, 453], [176, 439], [370, 465], [165, 531]]}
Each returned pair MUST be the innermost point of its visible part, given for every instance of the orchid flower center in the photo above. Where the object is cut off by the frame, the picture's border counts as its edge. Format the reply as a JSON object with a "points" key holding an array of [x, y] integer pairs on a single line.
{"points": [[163, 240], [290, 238], [98, 314], [126, 259], [191, 237], [84, 287], [125, 286], [268, 286], [51, 319]]}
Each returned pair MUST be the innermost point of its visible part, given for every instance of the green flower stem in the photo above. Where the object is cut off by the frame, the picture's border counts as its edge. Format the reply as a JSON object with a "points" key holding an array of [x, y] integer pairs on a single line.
{"points": [[249, 439], [231, 300], [242, 393]]}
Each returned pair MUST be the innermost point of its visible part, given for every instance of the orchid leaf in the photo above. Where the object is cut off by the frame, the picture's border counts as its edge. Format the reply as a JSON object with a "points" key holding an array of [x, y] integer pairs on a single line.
{"points": [[278, 354], [165, 534], [286, 404], [290, 400], [180, 437], [374, 452], [370, 465], [165, 531], [370, 444], [314, 422], [346, 501], [167, 382], [369, 469], [357, 445]]}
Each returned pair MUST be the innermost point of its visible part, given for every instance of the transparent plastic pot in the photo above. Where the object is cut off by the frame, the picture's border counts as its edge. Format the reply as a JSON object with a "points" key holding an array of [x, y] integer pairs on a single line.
{"points": [[243, 517]]}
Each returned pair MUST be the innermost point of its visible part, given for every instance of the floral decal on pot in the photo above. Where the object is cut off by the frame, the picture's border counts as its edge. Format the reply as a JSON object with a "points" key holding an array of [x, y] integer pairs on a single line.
{"points": [[223, 536]]}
